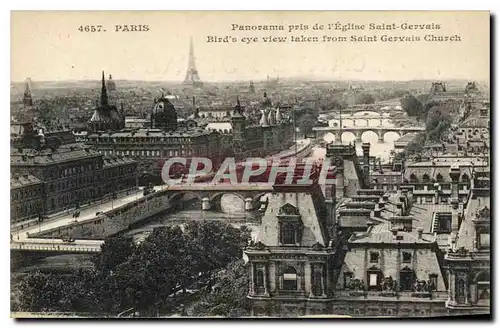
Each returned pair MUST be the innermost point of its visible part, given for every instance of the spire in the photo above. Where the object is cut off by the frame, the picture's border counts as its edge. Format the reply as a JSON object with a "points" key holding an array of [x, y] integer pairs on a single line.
{"points": [[237, 109], [278, 115], [263, 119], [104, 92], [27, 100], [271, 117]]}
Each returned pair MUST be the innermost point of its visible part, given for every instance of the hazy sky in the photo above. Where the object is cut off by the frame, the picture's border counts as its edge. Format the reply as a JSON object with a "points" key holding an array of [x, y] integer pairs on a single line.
{"points": [[48, 46]]}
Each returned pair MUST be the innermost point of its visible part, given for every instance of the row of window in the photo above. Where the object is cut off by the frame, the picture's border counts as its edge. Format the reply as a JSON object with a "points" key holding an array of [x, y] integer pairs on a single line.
{"points": [[56, 173], [73, 183], [149, 153], [26, 209], [120, 171], [24, 193], [375, 257], [166, 140], [439, 178]]}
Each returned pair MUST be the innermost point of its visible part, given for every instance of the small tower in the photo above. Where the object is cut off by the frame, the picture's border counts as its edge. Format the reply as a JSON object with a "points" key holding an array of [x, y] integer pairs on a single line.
{"points": [[104, 93], [27, 100], [238, 122], [252, 87]]}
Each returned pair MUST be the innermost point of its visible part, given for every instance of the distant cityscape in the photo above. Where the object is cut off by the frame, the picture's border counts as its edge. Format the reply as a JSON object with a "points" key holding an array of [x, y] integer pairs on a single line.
{"points": [[403, 232]]}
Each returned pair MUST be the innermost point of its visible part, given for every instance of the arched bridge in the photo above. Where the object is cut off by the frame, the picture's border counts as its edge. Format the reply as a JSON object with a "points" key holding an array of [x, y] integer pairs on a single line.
{"points": [[355, 119], [211, 194], [379, 108], [358, 131]]}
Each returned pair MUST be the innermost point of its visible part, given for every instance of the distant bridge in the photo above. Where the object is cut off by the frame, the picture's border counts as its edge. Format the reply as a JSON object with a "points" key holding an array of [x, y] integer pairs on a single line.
{"points": [[359, 131], [378, 108], [210, 194], [354, 119], [56, 247]]}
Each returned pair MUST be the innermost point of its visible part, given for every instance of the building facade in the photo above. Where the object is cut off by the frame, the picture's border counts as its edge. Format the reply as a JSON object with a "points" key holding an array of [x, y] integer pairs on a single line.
{"points": [[292, 261], [168, 137], [26, 197], [71, 174]]}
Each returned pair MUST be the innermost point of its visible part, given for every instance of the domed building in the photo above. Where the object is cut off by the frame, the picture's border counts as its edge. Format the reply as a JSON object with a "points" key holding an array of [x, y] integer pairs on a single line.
{"points": [[164, 115], [111, 84]]}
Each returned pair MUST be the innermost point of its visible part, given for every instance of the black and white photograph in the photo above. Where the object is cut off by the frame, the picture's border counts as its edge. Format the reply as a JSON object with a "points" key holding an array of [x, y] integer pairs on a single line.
{"points": [[250, 164]]}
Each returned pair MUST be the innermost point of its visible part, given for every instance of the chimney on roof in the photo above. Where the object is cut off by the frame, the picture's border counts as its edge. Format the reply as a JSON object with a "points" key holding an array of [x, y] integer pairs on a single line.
{"points": [[410, 197], [400, 208], [420, 232], [394, 231], [385, 198], [377, 213], [404, 201], [366, 161]]}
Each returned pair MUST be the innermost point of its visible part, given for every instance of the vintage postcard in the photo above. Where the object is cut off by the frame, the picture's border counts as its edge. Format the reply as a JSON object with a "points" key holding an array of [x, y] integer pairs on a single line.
{"points": [[170, 164]]}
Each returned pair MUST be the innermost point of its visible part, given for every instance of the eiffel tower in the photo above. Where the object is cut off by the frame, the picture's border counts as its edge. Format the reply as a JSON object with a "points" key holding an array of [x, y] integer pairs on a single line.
{"points": [[192, 77]]}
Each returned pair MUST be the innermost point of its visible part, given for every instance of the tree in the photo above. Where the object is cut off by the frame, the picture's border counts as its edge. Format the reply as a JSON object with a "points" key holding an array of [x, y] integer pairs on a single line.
{"points": [[438, 123], [229, 297], [39, 292], [364, 98], [217, 243], [114, 252], [412, 106], [144, 277]]}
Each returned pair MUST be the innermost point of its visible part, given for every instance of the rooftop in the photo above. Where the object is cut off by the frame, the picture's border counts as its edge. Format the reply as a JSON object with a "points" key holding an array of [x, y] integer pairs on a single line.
{"points": [[18, 181], [65, 153], [380, 234], [144, 133], [116, 161]]}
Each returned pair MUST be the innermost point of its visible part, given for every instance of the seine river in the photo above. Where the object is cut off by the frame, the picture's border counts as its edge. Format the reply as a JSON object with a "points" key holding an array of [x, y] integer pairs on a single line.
{"points": [[377, 149], [232, 206]]}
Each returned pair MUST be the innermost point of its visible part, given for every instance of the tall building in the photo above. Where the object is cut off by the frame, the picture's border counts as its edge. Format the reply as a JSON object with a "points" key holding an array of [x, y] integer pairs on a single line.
{"points": [[252, 87], [469, 258], [47, 166], [110, 84], [292, 262], [106, 116], [27, 100], [192, 76]]}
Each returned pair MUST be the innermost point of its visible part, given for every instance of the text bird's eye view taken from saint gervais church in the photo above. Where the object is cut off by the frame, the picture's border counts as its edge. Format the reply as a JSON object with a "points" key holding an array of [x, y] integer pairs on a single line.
{"points": [[171, 164]]}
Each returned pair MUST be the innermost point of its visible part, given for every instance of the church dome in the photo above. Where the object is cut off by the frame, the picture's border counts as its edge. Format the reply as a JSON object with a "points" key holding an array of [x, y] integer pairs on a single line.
{"points": [[266, 102], [164, 115]]}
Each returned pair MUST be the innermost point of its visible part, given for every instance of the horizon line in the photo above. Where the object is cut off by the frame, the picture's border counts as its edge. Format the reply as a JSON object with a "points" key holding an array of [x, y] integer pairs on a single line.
{"points": [[308, 79]]}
